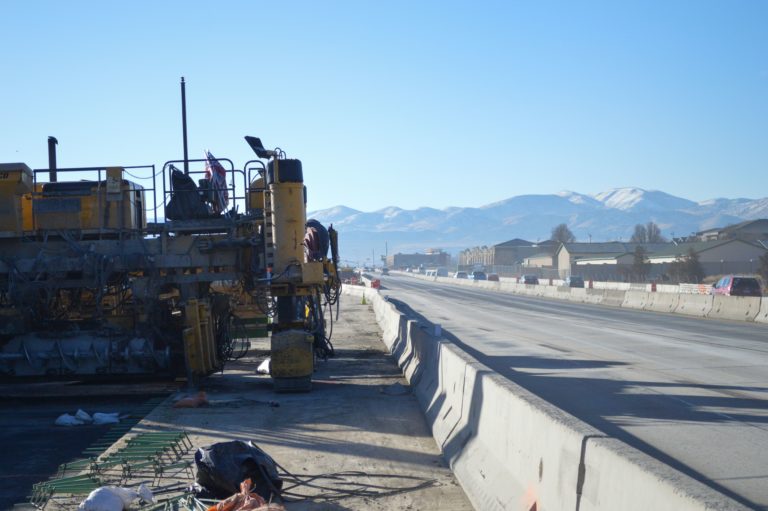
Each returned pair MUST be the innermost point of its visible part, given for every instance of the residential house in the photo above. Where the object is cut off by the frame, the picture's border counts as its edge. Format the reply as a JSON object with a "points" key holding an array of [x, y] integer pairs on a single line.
{"points": [[751, 230]]}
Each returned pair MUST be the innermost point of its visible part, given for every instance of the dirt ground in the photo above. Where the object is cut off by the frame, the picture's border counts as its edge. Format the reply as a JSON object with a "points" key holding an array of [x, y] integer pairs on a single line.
{"points": [[357, 441]]}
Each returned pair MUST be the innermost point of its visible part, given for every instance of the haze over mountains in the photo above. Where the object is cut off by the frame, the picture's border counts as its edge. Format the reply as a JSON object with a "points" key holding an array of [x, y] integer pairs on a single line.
{"points": [[606, 216]]}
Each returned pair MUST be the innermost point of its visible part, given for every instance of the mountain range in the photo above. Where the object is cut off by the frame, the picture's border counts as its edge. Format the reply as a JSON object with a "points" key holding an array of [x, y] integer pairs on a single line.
{"points": [[605, 216]]}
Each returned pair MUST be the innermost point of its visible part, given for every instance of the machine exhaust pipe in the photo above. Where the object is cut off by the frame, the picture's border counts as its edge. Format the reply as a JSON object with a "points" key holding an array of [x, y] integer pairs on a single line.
{"points": [[52, 159]]}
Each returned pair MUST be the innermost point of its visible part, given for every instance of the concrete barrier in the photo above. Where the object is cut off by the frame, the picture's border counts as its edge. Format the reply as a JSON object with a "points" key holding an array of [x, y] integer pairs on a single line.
{"points": [[550, 292], [762, 315], [694, 305], [635, 300], [613, 297], [737, 308], [508, 287], [506, 457], [578, 295], [633, 481], [595, 296], [662, 302], [511, 450]]}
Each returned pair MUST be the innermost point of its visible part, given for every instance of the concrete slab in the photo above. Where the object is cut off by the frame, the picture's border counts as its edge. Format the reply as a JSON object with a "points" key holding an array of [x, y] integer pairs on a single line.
{"points": [[361, 417]]}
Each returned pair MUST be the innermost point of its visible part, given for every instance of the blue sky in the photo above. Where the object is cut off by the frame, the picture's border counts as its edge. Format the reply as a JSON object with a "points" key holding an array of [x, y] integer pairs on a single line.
{"points": [[402, 103]]}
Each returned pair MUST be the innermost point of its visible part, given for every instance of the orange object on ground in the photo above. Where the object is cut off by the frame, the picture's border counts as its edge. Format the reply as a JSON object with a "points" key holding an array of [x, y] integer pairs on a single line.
{"points": [[192, 402], [246, 501]]}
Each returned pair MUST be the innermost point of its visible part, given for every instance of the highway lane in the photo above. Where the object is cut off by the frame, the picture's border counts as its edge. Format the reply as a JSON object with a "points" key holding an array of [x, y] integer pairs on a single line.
{"points": [[690, 392]]}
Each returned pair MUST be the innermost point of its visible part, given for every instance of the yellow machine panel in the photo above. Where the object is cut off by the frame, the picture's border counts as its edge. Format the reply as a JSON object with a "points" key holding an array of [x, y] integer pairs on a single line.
{"points": [[15, 181], [89, 205], [256, 194]]}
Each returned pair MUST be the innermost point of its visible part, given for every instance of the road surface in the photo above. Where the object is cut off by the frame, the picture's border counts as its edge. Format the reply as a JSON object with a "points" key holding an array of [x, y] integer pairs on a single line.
{"points": [[691, 392]]}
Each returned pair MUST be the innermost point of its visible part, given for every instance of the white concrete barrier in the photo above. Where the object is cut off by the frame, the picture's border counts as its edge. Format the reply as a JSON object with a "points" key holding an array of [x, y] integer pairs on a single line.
{"points": [[577, 294], [762, 315], [694, 305], [635, 300], [633, 481], [662, 302], [668, 288], [613, 297], [737, 308], [596, 296], [511, 450], [550, 292]]}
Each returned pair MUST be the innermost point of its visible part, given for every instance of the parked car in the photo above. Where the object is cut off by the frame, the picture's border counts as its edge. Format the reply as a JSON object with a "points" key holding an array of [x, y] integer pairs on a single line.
{"points": [[574, 281], [478, 275], [736, 285], [460, 275], [529, 279], [493, 277]]}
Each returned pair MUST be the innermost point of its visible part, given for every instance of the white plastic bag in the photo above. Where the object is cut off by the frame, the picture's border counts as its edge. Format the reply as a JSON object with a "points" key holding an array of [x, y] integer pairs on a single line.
{"points": [[68, 420], [106, 418], [114, 498], [264, 367]]}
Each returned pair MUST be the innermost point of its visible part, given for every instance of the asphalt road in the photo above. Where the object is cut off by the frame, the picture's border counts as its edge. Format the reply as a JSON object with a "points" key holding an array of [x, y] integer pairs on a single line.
{"points": [[691, 392]]}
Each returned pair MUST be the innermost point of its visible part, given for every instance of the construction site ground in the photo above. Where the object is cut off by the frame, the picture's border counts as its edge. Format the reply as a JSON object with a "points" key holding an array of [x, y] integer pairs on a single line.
{"points": [[358, 436]]}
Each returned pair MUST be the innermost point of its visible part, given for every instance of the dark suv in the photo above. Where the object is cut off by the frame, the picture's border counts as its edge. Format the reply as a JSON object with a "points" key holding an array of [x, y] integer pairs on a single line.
{"points": [[478, 275], [736, 285], [574, 281]]}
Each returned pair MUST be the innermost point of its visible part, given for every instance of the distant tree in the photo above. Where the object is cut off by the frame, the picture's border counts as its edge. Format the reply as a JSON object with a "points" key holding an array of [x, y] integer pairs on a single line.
{"points": [[640, 265], [687, 268], [653, 233], [694, 270], [562, 234], [648, 233], [762, 268], [640, 235], [676, 270]]}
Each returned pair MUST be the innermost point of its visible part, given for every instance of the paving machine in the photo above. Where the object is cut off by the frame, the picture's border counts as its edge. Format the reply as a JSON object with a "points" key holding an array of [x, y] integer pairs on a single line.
{"points": [[118, 272]]}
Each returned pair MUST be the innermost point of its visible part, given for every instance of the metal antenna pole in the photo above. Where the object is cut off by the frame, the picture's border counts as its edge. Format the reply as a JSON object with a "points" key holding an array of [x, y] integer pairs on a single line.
{"points": [[184, 124]]}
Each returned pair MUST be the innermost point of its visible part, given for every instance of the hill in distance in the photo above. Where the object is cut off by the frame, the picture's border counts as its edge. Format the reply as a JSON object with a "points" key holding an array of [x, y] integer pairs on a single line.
{"points": [[605, 216]]}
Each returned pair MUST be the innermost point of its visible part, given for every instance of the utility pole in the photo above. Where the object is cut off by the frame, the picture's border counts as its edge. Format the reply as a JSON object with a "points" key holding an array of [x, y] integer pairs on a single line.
{"points": [[184, 124]]}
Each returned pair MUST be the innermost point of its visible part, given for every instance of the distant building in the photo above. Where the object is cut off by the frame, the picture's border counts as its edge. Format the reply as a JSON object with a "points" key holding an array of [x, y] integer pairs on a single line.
{"points": [[601, 261], [432, 258], [751, 230], [544, 260], [508, 253], [717, 257], [612, 261]]}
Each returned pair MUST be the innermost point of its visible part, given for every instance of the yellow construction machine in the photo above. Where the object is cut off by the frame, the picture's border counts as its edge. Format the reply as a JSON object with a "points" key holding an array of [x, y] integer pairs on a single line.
{"points": [[129, 271]]}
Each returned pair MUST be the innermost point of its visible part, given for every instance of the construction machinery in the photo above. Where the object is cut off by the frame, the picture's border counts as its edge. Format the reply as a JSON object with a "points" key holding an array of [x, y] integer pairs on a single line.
{"points": [[133, 271]]}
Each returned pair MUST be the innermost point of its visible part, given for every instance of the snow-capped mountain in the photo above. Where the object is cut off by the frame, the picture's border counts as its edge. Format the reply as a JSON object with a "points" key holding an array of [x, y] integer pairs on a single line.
{"points": [[610, 215], [636, 199]]}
